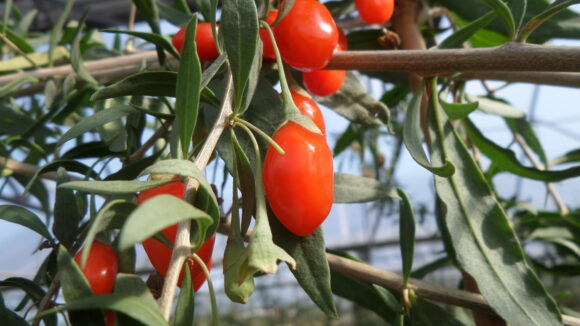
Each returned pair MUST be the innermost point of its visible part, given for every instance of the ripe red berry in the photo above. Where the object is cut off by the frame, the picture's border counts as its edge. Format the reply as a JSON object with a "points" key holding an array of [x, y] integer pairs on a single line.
{"points": [[375, 11], [299, 184], [309, 108], [101, 268], [342, 40], [206, 47], [307, 35], [323, 82], [160, 255], [268, 50]]}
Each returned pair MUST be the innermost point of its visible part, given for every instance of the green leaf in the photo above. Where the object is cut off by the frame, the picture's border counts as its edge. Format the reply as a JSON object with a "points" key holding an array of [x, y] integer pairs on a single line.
{"points": [[20, 42], [149, 10], [185, 307], [506, 159], [16, 84], [253, 79], [350, 188], [74, 288], [87, 150], [188, 89], [39, 58], [56, 32], [172, 15], [285, 8], [458, 111], [553, 9], [503, 11], [525, 129], [570, 157], [33, 290], [247, 187], [156, 39], [113, 187], [412, 137], [69, 165], [370, 296], [98, 119], [9, 317], [148, 83], [312, 271], [133, 285], [24, 217], [111, 216], [463, 34], [132, 171], [484, 242], [428, 268], [239, 25], [135, 307], [354, 102], [347, 138], [406, 234], [145, 221], [76, 58], [496, 107], [66, 212]]}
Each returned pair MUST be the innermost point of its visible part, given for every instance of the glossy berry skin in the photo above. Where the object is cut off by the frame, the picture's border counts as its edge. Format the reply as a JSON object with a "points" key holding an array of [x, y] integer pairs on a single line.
{"points": [[101, 268], [342, 41], [160, 255], [307, 35], [204, 41], [375, 11], [309, 108], [323, 82], [299, 184], [268, 49]]}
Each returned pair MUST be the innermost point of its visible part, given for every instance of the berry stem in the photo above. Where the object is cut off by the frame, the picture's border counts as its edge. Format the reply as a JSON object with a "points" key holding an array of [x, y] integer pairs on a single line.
{"points": [[262, 134]]}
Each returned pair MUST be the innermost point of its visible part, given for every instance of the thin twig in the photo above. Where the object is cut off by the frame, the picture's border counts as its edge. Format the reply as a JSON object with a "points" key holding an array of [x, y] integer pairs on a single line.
{"points": [[551, 189], [182, 247], [17, 49]]}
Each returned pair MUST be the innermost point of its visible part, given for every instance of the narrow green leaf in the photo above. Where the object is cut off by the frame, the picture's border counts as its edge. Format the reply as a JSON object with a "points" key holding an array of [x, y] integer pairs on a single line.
{"points": [[350, 188], [253, 78], [463, 34], [133, 285], [132, 306], [484, 242], [132, 171], [96, 120], [213, 68], [428, 268], [312, 271], [56, 32], [518, 9], [355, 103], [87, 150], [346, 139], [112, 187], [66, 212], [76, 58], [496, 107], [112, 215], [412, 137], [570, 157], [9, 317], [148, 83], [145, 221], [185, 307], [286, 6], [525, 129], [75, 287], [150, 11], [503, 11], [18, 40], [156, 39], [69, 165], [16, 84], [240, 29], [457, 111], [406, 234], [172, 15], [24, 217], [188, 89], [247, 187], [553, 9], [506, 159]]}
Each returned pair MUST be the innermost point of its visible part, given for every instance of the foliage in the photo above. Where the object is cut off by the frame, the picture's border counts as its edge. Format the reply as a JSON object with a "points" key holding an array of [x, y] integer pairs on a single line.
{"points": [[175, 115]]}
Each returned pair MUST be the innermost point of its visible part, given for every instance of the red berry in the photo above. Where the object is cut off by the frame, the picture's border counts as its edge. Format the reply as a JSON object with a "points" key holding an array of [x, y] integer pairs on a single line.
{"points": [[101, 268], [206, 47], [309, 108], [323, 82], [342, 41], [375, 11], [307, 35], [299, 184], [160, 255]]}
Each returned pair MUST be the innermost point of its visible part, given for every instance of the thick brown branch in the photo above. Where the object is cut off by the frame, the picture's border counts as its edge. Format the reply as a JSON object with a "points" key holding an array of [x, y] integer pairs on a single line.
{"points": [[508, 57]]}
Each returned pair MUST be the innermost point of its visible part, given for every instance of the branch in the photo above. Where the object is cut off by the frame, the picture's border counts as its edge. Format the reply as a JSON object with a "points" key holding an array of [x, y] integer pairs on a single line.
{"points": [[182, 247], [26, 169], [508, 57]]}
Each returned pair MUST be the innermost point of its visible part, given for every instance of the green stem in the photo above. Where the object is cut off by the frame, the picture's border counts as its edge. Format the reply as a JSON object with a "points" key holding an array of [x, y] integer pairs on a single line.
{"points": [[262, 134], [287, 102], [214, 308], [236, 231]]}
